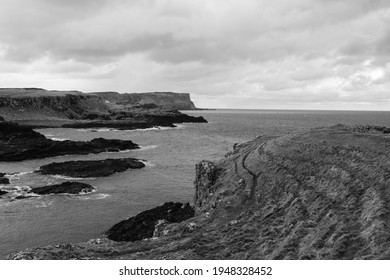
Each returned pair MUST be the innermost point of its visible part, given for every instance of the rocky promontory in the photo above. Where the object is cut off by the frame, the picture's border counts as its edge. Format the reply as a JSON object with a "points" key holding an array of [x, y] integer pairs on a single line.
{"points": [[40, 108], [317, 194], [19, 143], [144, 225], [166, 100], [90, 168], [64, 188]]}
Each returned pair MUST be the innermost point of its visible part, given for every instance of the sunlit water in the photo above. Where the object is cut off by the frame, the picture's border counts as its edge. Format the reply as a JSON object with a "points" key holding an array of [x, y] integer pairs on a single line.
{"points": [[171, 155]]}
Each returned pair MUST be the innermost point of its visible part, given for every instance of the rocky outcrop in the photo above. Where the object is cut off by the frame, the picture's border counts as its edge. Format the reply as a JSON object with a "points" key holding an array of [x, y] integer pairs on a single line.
{"points": [[166, 100], [64, 188], [90, 168], [40, 108], [318, 194], [19, 143], [139, 119], [144, 224]]}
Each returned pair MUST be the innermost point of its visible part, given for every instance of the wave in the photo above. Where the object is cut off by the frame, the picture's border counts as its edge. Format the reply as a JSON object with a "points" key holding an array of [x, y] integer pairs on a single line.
{"points": [[59, 139], [177, 126], [15, 176], [61, 177], [43, 204], [145, 148], [15, 192], [96, 196], [147, 163]]}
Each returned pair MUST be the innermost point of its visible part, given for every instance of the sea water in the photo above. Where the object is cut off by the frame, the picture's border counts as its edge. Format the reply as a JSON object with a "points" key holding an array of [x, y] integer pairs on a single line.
{"points": [[170, 155]]}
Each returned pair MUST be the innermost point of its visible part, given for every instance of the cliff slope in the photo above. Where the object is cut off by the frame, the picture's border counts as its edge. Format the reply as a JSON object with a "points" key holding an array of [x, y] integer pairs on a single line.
{"points": [[35, 103], [320, 194], [37, 107], [166, 100]]}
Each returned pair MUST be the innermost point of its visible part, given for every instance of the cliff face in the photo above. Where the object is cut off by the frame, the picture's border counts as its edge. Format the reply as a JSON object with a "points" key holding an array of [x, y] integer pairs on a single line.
{"points": [[321, 194], [36, 104], [166, 100], [18, 104]]}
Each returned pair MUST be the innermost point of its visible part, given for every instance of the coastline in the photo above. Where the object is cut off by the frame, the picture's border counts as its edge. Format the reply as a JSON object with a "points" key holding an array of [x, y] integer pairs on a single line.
{"points": [[233, 199]]}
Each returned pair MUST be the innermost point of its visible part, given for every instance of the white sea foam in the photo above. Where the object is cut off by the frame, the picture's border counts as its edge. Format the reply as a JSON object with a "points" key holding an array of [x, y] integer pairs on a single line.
{"points": [[71, 178], [96, 196], [16, 176], [145, 148], [43, 204], [58, 139], [147, 163]]}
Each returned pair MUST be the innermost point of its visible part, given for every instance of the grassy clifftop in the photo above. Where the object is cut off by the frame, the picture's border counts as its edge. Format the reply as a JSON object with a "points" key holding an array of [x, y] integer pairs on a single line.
{"points": [[320, 194]]}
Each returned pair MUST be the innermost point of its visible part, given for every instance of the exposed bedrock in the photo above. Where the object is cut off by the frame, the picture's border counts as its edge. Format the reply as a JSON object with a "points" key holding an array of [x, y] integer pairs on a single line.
{"points": [[66, 188], [144, 224], [318, 194], [91, 168], [139, 119], [168, 100], [19, 143]]}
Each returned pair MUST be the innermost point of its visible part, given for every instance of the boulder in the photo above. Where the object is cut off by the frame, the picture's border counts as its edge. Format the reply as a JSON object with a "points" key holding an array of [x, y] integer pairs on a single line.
{"points": [[143, 225]]}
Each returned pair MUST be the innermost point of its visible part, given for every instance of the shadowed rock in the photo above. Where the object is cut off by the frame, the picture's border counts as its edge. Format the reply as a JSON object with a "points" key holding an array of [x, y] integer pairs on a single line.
{"points": [[143, 225], [66, 187], [19, 143], [90, 168], [3, 180]]}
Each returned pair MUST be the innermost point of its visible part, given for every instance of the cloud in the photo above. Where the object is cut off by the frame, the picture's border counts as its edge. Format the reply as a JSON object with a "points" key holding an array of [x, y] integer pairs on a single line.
{"points": [[270, 52]]}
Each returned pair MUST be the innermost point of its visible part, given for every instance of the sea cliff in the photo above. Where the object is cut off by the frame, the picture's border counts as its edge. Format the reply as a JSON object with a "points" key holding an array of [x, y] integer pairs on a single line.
{"points": [[166, 100], [51, 108], [318, 194]]}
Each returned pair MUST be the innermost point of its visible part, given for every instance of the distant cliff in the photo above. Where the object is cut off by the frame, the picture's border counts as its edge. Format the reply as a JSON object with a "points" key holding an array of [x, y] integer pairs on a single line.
{"points": [[35, 103], [166, 100], [38, 104], [318, 194]]}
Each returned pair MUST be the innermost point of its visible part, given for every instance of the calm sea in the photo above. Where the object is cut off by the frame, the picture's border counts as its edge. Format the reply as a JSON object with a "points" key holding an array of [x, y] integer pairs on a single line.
{"points": [[171, 155]]}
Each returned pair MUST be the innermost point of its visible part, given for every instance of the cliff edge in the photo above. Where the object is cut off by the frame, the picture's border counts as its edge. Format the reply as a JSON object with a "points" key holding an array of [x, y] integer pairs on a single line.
{"points": [[319, 194], [165, 100]]}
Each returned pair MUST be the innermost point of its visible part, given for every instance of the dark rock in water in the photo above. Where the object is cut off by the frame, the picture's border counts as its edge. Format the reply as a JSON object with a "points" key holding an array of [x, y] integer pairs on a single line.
{"points": [[2, 192], [66, 187], [3, 180], [143, 225], [19, 143], [118, 124], [139, 120], [91, 168]]}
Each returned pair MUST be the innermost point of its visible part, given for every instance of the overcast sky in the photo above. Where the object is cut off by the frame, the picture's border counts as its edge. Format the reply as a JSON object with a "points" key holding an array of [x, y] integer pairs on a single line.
{"points": [[287, 54]]}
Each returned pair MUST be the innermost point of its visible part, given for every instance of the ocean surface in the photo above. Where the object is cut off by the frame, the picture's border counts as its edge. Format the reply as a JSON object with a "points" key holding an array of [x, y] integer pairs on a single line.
{"points": [[170, 155]]}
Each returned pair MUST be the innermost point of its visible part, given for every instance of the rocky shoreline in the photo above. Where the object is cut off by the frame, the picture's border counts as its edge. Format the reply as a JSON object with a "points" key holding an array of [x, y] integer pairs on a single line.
{"points": [[90, 168], [320, 194], [19, 143], [64, 188]]}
